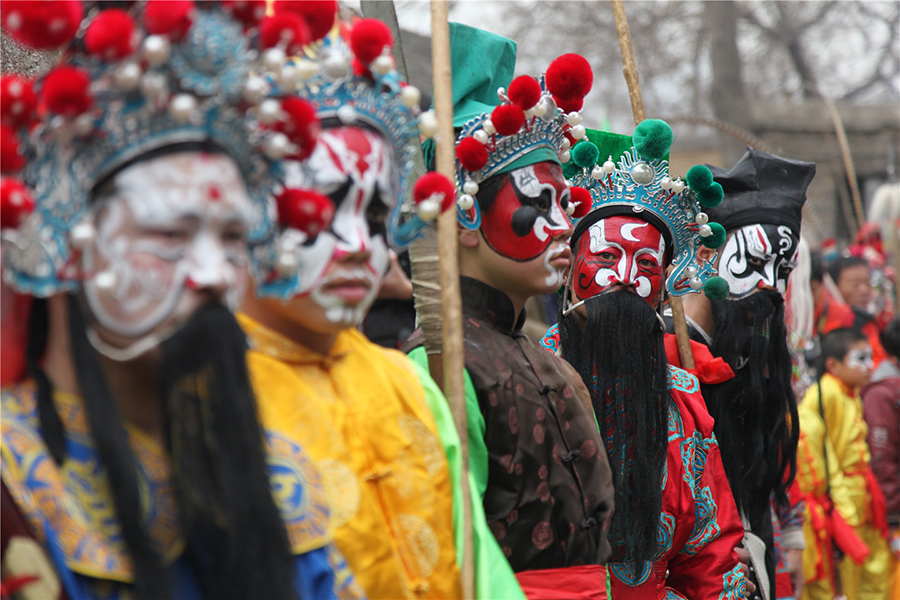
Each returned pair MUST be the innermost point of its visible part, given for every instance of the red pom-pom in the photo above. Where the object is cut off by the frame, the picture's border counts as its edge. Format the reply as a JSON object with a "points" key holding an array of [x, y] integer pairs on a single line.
{"points": [[249, 12], [300, 124], [66, 91], [570, 104], [11, 159], [524, 92], [319, 15], [42, 24], [434, 186], [569, 77], [368, 39], [472, 154], [306, 210], [287, 30], [110, 35], [15, 203], [582, 200], [17, 101], [361, 70], [508, 119], [171, 18]]}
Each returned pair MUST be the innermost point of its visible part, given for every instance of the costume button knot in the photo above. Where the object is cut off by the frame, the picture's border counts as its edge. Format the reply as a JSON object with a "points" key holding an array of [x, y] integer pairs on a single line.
{"points": [[571, 456], [588, 523], [376, 476]]}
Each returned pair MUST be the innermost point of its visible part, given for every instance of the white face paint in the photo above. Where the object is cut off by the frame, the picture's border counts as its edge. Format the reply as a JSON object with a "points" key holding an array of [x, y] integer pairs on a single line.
{"points": [[758, 256], [556, 274], [527, 181], [618, 254], [171, 234], [342, 269]]}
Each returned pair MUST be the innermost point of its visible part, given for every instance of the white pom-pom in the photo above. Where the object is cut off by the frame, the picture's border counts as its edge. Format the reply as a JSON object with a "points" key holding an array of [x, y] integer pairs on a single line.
{"points": [[382, 65], [273, 59], [488, 126], [255, 89], [609, 166], [82, 235], [410, 96], [578, 132], [127, 76], [465, 202], [573, 118], [428, 210], [182, 107], [470, 187], [481, 135], [702, 218], [597, 172], [269, 111], [276, 147], [156, 50], [428, 123]]}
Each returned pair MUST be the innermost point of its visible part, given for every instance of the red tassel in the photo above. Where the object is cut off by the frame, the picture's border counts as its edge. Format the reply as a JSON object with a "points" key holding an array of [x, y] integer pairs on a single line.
{"points": [[300, 125], [17, 101], [287, 30], [472, 154], [570, 105], [436, 187], [369, 38], [249, 12], [319, 15], [42, 24], [16, 203], [570, 77], [305, 210], [110, 36], [508, 119], [66, 91], [583, 199], [524, 92], [171, 18]]}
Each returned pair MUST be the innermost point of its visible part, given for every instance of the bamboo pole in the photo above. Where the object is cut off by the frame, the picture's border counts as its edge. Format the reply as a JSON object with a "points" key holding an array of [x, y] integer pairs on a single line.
{"points": [[629, 68], [453, 362]]}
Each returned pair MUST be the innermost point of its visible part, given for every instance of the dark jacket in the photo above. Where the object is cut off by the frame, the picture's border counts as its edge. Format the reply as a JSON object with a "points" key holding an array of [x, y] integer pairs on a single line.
{"points": [[881, 408]]}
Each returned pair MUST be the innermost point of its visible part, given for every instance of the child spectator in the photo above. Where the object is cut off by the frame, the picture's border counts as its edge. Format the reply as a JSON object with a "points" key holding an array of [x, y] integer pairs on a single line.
{"points": [[881, 406], [845, 505]]}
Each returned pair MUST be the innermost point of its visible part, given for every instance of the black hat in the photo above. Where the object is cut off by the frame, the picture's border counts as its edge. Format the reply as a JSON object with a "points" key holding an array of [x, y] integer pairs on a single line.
{"points": [[762, 189]]}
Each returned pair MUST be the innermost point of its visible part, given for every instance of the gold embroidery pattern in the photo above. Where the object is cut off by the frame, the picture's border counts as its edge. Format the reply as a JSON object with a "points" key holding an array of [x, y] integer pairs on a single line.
{"points": [[342, 487], [422, 541]]}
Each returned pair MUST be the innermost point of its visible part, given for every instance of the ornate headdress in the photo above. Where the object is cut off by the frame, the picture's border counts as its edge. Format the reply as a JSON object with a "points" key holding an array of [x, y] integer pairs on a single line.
{"points": [[351, 76], [639, 184], [506, 123], [158, 75]]}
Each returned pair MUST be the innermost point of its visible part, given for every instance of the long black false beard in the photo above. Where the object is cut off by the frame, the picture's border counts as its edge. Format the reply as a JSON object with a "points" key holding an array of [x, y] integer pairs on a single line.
{"points": [[236, 540], [755, 412], [620, 355]]}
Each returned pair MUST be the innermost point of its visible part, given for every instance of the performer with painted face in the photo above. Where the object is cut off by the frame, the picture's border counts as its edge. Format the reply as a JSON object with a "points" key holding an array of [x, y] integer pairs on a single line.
{"points": [[535, 451], [676, 526], [756, 411], [377, 426], [134, 464]]}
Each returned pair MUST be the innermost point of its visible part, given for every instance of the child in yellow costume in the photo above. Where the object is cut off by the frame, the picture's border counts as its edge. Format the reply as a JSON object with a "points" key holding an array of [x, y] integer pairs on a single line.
{"points": [[378, 428], [833, 441]]}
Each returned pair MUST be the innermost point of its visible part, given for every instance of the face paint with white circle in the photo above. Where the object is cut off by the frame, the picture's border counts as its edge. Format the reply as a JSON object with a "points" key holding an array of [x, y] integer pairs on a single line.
{"points": [[170, 236], [342, 269]]}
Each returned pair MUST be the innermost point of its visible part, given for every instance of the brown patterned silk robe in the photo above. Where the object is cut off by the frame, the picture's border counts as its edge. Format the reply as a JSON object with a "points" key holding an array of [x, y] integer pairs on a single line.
{"points": [[549, 496]]}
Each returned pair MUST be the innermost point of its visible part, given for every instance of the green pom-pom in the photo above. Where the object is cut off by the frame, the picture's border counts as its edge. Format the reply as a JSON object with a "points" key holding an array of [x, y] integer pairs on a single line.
{"points": [[699, 177], [652, 139], [585, 154], [716, 238], [711, 197], [716, 288]]}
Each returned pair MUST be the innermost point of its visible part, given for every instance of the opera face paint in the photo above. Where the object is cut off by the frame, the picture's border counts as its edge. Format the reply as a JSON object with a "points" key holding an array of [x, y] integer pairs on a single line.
{"points": [[342, 269], [171, 232], [620, 250], [757, 256]]}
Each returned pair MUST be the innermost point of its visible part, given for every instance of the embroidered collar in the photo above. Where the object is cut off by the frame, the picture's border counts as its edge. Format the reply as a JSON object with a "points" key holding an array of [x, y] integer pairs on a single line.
{"points": [[488, 304], [273, 344]]}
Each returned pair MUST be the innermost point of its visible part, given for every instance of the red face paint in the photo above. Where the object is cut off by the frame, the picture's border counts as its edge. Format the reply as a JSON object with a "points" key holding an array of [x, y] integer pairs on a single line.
{"points": [[528, 212], [620, 250]]}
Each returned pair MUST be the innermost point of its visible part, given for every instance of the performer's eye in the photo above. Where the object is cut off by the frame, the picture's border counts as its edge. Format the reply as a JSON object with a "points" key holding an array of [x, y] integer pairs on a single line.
{"points": [[606, 256], [646, 262], [757, 262]]}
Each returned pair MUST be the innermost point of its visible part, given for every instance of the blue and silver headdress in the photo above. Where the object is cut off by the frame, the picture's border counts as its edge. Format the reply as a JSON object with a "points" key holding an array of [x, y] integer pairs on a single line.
{"points": [[133, 82], [638, 184]]}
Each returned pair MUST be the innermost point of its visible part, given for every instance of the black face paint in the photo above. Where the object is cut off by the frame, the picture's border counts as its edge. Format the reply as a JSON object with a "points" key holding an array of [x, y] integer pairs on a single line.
{"points": [[758, 256]]}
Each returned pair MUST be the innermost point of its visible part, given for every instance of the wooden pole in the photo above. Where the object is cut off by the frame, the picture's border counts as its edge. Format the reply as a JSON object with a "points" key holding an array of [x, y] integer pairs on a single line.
{"points": [[451, 303], [629, 68]]}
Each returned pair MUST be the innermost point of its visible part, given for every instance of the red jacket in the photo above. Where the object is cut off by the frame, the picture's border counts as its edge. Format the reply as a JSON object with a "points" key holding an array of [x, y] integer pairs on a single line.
{"points": [[881, 408]]}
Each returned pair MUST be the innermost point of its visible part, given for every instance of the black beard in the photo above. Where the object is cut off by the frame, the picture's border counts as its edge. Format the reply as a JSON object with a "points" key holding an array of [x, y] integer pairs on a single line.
{"points": [[236, 540], [620, 355], [755, 413]]}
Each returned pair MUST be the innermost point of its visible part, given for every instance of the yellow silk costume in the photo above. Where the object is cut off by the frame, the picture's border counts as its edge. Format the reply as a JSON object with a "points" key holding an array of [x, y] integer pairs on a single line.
{"points": [[362, 414], [842, 435]]}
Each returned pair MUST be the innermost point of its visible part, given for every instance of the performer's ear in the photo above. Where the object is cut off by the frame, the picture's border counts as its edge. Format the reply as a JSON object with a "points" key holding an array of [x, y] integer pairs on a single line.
{"points": [[468, 237], [705, 253]]}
